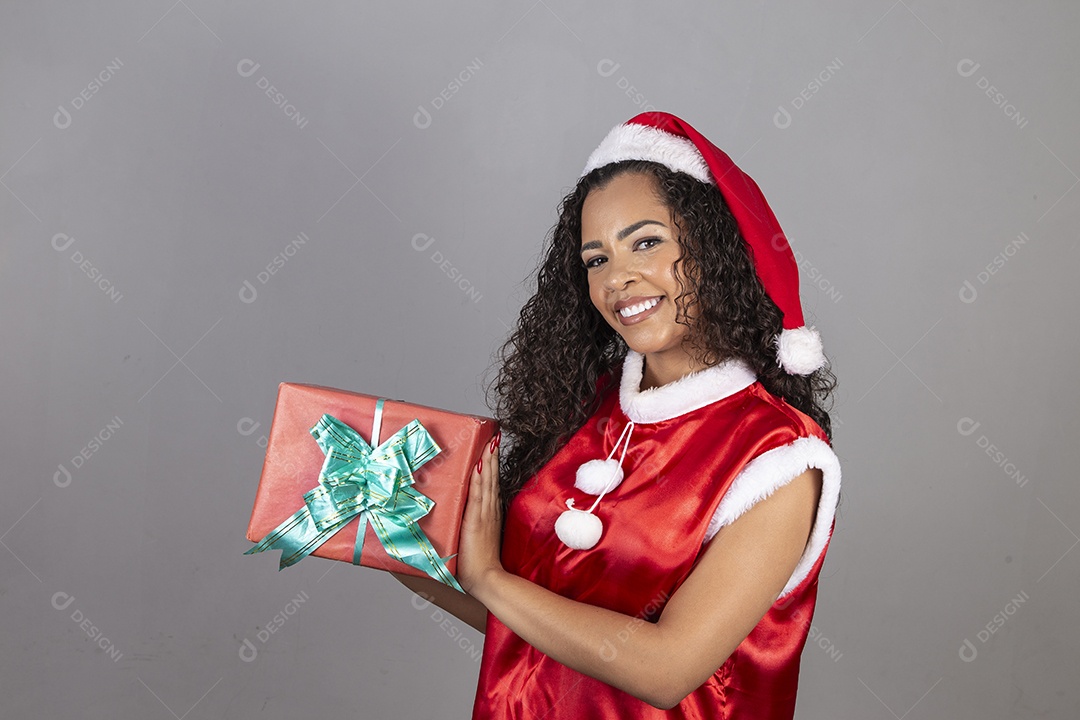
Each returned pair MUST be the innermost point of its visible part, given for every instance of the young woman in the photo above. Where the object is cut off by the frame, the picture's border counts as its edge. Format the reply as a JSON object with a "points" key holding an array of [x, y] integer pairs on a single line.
{"points": [[649, 545]]}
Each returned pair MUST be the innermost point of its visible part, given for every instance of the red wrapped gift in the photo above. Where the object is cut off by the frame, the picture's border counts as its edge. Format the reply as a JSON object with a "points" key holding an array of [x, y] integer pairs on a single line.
{"points": [[325, 475]]}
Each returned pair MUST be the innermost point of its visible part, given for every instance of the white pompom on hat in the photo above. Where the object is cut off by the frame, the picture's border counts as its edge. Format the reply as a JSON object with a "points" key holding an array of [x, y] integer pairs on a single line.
{"points": [[672, 142]]}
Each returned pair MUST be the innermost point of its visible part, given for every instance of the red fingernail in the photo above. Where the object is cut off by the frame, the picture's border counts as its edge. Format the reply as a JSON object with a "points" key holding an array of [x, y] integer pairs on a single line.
{"points": [[493, 444], [479, 464]]}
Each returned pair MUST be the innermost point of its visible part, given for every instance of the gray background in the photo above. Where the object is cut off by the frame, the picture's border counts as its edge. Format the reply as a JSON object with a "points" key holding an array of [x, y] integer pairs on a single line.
{"points": [[136, 140]]}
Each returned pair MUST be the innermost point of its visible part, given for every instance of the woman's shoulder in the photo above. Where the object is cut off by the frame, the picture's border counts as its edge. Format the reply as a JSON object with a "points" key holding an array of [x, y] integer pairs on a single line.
{"points": [[782, 413]]}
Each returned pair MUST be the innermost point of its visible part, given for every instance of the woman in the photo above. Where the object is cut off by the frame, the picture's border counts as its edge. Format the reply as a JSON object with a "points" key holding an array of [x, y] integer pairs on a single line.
{"points": [[670, 491]]}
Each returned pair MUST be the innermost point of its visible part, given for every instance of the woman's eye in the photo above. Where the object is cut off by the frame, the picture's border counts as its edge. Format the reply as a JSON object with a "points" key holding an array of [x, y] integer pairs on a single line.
{"points": [[593, 262], [652, 240]]}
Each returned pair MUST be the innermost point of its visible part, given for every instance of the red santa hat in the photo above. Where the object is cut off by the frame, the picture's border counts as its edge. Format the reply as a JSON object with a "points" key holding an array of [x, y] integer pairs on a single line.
{"points": [[672, 142]]}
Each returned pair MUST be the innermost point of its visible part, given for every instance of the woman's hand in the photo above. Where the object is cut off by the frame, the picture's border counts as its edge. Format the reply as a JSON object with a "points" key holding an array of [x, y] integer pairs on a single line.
{"points": [[480, 543]]}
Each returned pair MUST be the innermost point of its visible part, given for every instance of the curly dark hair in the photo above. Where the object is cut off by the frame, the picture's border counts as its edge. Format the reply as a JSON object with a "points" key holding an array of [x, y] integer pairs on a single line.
{"points": [[559, 361]]}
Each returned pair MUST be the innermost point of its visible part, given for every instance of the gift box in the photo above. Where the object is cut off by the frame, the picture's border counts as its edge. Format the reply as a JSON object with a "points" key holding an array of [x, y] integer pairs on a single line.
{"points": [[339, 462]]}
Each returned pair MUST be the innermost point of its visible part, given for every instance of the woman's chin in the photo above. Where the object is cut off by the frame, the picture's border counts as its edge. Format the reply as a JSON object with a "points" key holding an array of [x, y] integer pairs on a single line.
{"points": [[649, 344], [650, 336], [645, 347]]}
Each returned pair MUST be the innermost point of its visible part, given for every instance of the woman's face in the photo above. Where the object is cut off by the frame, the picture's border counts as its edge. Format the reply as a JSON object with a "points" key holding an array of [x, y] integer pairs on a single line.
{"points": [[629, 247]]}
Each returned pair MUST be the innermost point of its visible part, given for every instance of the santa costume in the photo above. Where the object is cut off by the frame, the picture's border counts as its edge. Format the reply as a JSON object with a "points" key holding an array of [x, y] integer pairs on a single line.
{"points": [[621, 514]]}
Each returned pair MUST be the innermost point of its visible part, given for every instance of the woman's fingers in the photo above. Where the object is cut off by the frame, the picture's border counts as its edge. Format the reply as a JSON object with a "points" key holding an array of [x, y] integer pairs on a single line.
{"points": [[484, 483], [484, 492], [479, 547], [492, 470]]}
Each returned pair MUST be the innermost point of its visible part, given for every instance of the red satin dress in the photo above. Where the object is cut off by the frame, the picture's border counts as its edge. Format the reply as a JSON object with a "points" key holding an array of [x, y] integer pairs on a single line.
{"points": [[690, 445]]}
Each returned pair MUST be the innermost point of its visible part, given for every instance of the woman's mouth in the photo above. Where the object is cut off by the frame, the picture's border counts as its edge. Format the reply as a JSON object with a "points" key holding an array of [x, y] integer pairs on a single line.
{"points": [[639, 311]]}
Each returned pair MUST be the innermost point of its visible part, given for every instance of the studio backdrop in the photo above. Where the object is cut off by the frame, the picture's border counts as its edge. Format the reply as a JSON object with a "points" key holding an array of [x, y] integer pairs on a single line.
{"points": [[201, 201]]}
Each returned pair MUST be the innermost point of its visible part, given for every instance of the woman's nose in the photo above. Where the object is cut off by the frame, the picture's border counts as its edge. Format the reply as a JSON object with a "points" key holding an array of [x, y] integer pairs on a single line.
{"points": [[620, 272]]}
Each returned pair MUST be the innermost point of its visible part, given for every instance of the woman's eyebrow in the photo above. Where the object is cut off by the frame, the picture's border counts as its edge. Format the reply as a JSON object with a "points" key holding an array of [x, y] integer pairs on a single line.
{"points": [[622, 234]]}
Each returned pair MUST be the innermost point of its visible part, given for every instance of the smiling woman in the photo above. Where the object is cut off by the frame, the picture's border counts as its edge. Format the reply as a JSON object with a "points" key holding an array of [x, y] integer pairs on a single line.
{"points": [[662, 366], [631, 273]]}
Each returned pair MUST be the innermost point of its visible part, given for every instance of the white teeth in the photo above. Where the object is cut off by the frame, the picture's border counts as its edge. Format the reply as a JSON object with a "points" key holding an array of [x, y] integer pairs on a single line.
{"points": [[639, 308]]}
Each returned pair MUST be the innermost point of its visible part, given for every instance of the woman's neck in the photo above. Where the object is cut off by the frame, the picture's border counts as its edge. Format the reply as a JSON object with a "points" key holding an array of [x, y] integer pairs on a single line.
{"points": [[661, 369]]}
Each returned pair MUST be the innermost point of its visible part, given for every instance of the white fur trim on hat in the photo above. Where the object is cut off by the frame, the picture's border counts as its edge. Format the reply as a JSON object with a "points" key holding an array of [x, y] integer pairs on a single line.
{"points": [[639, 142], [678, 397], [799, 350], [774, 469]]}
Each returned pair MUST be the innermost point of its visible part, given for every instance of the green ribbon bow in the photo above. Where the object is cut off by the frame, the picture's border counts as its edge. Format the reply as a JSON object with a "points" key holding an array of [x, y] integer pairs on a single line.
{"points": [[374, 484]]}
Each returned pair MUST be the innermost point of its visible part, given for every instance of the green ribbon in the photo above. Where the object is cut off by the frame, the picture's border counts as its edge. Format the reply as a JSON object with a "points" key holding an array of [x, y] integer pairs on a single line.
{"points": [[374, 484]]}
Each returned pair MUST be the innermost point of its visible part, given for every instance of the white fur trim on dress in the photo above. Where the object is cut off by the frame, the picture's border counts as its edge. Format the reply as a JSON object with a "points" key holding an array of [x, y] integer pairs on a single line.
{"points": [[799, 350], [774, 469], [689, 392], [640, 142]]}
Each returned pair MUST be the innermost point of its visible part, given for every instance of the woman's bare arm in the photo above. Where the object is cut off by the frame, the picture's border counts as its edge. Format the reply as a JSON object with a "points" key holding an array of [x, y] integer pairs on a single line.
{"points": [[737, 579], [461, 605]]}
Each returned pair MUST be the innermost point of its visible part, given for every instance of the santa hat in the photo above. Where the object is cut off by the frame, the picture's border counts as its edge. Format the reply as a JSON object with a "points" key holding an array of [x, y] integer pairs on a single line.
{"points": [[665, 139]]}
